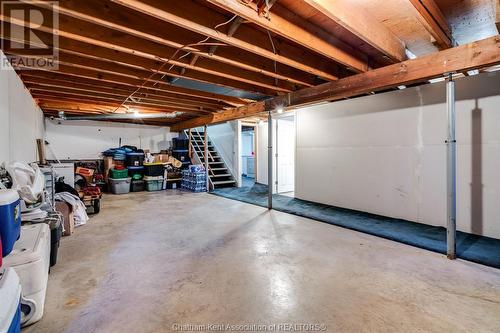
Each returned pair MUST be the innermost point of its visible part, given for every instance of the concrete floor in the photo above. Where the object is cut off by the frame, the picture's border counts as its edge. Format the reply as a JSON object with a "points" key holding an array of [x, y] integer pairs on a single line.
{"points": [[151, 261]]}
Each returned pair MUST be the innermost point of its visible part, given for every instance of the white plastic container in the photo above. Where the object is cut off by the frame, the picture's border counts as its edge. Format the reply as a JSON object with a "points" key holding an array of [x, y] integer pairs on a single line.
{"points": [[10, 293], [31, 259]]}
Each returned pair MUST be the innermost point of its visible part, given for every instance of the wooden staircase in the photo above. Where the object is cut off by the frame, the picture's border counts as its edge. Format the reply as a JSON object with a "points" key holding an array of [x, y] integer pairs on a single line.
{"points": [[218, 172]]}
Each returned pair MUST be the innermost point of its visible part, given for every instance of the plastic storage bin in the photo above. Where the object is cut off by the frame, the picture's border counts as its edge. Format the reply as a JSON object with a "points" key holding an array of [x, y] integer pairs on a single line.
{"points": [[55, 223], [120, 186], [10, 294], [136, 172], [118, 174], [10, 219], [180, 144], [154, 169], [56, 231], [181, 155], [138, 186], [135, 159], [30, 259], [154, 183]]}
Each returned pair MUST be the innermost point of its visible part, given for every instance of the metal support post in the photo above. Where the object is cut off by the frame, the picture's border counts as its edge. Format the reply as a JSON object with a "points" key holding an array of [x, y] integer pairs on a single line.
{"points": [[270, 161], [205, 139], [451, 171]]}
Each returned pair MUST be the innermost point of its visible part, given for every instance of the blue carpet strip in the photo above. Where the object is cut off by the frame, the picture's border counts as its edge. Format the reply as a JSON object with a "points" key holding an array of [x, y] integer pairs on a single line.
{"points": [[479, 249]]}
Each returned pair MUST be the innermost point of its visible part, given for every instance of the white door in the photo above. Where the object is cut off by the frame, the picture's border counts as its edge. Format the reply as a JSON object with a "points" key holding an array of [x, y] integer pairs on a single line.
{"points": [[285, 154]]}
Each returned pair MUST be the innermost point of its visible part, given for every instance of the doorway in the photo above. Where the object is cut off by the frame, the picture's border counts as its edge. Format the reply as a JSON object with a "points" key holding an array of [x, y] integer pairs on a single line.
{"points": [[285, 155], [248, 158]]}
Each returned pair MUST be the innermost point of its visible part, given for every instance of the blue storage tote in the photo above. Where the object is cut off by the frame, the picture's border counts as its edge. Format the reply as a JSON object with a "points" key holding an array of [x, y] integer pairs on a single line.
{"points": [[10, 219], [10, 307]]}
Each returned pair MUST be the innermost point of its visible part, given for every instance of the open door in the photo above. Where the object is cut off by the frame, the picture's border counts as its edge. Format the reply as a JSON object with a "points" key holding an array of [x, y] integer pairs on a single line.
{"points": [[285, 154]]}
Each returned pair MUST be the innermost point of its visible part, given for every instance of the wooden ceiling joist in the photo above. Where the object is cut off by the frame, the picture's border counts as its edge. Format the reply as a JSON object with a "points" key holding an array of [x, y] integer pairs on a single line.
{"points": [[60, 97], [103, 14], [361, 24], [79, 73], [462, 58], [434, 22], [95, 85], [40, 89], [333, 48], [174, 13], [54, 86], [204, 71], [128, 70]]}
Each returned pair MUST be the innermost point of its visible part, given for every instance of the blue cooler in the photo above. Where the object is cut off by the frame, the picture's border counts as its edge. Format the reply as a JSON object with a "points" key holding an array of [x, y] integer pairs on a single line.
{"points": [[10, 219], [10, 308]]}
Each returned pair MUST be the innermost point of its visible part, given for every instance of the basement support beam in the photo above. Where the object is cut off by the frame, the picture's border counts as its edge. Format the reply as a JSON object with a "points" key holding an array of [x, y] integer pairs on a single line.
{"points": [[270, 180], [205, 153], [462, 58], [333, 49], [172, 16], [451, 143]]}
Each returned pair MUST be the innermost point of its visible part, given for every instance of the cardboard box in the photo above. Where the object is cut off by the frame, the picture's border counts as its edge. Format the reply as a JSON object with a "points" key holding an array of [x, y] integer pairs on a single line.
{"points": [[161, 158], [69, 219]]}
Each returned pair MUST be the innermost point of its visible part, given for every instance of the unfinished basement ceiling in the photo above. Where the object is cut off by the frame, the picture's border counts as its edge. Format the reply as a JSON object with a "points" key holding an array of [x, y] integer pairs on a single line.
{"points": [[119, 56]]}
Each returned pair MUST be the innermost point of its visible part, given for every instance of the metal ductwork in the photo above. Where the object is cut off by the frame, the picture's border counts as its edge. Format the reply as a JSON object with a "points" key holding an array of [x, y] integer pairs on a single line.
{"points": [[121, 116]]}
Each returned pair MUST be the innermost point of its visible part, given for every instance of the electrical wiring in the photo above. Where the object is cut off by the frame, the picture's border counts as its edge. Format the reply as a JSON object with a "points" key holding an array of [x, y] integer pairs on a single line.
{"points": [[275, 63], [200, 43]]}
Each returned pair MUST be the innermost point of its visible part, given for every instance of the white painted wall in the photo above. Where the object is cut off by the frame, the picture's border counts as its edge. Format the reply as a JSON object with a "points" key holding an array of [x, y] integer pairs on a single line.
{"points": [[225, 139], [21, 121], [87, 139], [385, 154]]}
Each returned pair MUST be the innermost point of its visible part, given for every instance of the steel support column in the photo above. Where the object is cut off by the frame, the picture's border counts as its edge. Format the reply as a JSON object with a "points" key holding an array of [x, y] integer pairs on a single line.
{"points": [[451, 171], [205, 139], [270, 180]]}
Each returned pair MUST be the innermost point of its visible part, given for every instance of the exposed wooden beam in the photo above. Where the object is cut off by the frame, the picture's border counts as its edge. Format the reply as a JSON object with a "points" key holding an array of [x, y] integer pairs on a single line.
{"points": [[175, 13], [63, 81], [68, 97], [434, 22], [475, 55], [103, 14], [79, 73], [332, 49], [127, 67], [205, 71], [354, 19], [56, 86], [35, 88]]}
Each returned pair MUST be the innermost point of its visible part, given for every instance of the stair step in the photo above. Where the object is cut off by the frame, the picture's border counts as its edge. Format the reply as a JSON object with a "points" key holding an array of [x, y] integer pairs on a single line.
{"points": [[222, 175], [222, 182], [218, 169]]}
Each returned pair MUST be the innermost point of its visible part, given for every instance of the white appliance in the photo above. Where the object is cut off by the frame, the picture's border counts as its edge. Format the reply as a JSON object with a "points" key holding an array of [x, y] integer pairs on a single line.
{"points": [[30, 258], [66, 170], [10, 293]]}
